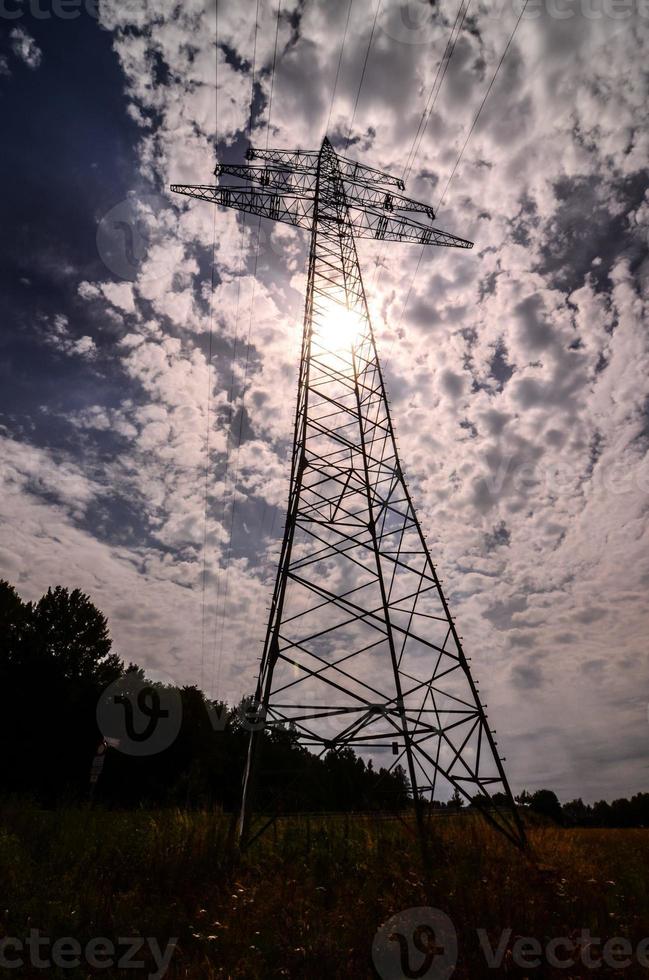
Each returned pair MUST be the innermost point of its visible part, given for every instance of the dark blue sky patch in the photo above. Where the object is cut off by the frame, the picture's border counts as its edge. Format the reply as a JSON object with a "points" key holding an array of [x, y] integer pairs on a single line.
{"points": [[584, 229], [69, 157], [499, 367]]}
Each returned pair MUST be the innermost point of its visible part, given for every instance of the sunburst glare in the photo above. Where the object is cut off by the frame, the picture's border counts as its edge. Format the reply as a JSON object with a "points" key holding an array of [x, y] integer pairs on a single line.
{"points": [[336, 327]]}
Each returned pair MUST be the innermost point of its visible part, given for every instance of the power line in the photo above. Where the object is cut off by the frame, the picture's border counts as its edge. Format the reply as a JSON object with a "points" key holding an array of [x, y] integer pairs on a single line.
{"points": [[427, 111], [482, 104], [207, 447], [254, 67], [228, 428], [210, 349], [235, 479], [340, 58], [216, 662], [461, 153], [360, 84], [272, 73], [226, 570], [443, 64]]}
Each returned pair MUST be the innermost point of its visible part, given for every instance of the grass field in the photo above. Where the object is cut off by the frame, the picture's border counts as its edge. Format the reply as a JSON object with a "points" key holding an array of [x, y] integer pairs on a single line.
{"points": [[308, 898]]}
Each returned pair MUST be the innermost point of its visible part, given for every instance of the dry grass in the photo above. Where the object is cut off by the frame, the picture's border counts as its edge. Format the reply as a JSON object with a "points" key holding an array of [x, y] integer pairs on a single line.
{"points": [[308, 897]]}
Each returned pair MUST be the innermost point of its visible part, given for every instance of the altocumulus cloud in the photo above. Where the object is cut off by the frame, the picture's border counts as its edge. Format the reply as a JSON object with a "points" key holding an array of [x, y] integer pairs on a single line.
{"points": [[519, 372]]}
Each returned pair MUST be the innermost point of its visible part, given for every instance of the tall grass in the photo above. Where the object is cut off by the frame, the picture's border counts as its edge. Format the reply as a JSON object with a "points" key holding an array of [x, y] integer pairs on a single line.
{"points": [[306, 900]]}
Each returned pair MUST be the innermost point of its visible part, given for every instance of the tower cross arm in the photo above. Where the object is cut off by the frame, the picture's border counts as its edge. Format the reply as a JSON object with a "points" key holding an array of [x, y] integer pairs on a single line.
{"points": [[369, 222], [285, 185], [303, 181], [349, 169], [279, 178], [293, 208]]}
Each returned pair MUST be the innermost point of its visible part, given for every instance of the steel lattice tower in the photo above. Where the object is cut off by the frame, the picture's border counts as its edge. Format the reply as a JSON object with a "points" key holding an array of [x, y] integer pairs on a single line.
{"points": [[361, 649]]}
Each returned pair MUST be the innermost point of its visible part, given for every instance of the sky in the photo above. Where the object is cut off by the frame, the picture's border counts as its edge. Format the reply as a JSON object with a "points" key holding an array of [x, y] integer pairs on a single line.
{"points": [[518, 371]]}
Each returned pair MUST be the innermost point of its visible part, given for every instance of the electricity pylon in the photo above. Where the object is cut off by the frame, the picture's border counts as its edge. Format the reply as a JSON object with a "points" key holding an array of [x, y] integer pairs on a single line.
{"points": [[361, 649]]}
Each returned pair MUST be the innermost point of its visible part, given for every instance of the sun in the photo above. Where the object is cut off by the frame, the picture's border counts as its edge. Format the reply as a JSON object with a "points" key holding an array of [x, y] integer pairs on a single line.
{"points": [[336, 327]]}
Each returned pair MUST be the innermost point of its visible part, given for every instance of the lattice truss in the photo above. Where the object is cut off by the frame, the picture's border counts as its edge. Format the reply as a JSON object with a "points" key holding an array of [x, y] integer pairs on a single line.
{"points": [[361, 649]]}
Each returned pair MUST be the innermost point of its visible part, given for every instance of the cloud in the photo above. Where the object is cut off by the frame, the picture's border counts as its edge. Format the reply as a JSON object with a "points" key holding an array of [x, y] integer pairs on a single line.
{"points": [[518, 371], [24, 47], [56, 334], [120, 294]]}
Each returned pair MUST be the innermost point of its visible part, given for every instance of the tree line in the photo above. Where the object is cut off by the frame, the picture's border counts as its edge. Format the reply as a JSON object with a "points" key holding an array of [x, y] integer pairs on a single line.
{"points": [[623, 812], [55, 665]]}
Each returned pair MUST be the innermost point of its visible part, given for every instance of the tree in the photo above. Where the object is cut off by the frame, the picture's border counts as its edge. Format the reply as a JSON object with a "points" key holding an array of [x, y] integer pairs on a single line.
{"points": [[55, 660], [545, 802], [70, 632], [500, 799], [14, 615], [456, 802], [576, 813]]}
